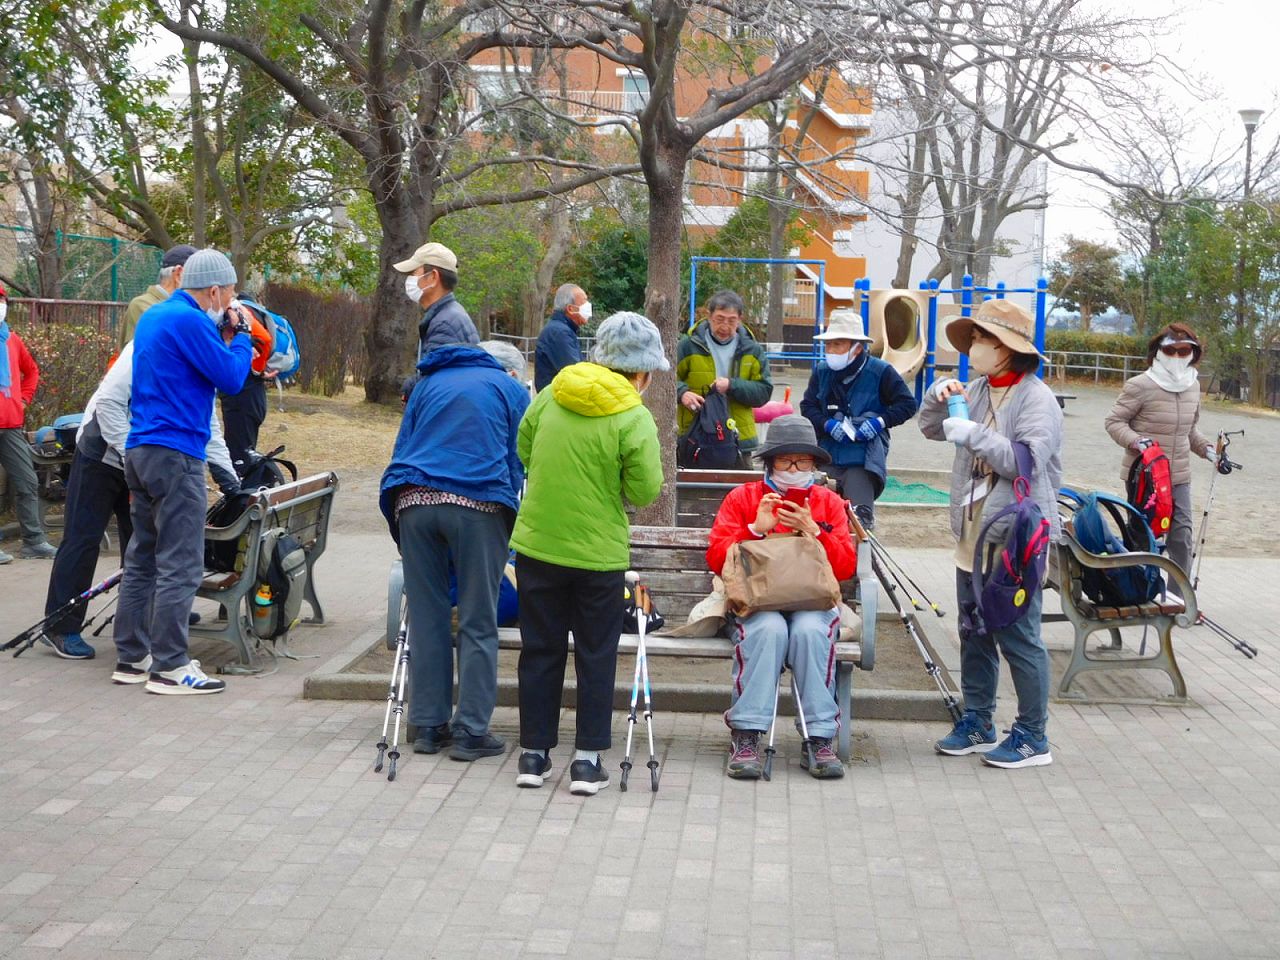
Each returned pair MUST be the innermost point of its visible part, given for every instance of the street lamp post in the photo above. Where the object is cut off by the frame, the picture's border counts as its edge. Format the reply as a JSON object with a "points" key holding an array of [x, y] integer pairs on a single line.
{"points": [[1250, 118]]}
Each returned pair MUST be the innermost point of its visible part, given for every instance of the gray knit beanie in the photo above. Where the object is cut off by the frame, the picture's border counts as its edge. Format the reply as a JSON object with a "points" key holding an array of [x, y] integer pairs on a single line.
{"points": [[629, 343], [208, 268]]}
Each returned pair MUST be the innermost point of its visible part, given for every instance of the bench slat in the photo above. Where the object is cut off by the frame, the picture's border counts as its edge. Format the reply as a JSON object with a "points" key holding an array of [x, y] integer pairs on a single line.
{"points": [[717, 648]]}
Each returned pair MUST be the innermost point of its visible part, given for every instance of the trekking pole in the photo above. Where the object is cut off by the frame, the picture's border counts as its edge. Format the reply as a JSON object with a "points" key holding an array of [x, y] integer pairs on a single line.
{"points": [[633, 580], [28, 637], [902, 571], [1243, 646], [1224, 465], [643, 606], [806, 744], [911, 625], [395, 703], [769, 751]]}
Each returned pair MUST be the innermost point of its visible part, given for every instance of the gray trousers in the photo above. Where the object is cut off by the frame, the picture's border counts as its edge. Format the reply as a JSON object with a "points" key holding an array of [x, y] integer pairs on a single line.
{"points": [[1179, 539], [15, 456], [165, 560], [477, 543], [858, 486], [806, 642]]}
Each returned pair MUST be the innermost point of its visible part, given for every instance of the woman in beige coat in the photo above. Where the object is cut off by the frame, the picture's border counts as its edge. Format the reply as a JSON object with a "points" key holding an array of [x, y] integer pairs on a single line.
{"points": [[1163, 404]]}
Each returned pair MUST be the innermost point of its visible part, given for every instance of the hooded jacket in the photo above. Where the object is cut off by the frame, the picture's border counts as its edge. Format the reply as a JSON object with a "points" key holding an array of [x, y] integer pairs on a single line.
{"points": [[749, 382], [587, 442], [558, 347], [1146, 409], [24, 378], [459, 432]]}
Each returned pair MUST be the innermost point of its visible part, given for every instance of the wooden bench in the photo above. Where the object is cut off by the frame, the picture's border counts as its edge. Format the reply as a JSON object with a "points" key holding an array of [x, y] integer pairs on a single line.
{"points": [[1066, 575], [672, 561], [302, 508]]}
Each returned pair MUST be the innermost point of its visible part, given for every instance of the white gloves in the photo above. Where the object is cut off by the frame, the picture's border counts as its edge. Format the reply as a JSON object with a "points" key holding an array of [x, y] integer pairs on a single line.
{"points": [[959, 431], [938, 387]]}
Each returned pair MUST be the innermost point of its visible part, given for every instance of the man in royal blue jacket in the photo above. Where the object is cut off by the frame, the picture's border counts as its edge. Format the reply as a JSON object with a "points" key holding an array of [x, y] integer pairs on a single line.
{"points": [[184, 351], [558, 343], [450, 493]]}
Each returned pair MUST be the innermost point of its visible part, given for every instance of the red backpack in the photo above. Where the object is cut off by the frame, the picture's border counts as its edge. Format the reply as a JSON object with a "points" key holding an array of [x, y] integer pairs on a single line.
{"points": [[1150, 488]]}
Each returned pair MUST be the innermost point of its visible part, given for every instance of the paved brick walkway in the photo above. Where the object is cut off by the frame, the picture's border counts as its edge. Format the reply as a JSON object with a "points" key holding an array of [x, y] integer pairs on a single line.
{"points": [[250, 824]]}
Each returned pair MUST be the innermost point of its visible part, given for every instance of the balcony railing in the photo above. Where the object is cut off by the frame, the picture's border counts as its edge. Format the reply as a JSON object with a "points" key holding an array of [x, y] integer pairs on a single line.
{"points": [[579, 104]]}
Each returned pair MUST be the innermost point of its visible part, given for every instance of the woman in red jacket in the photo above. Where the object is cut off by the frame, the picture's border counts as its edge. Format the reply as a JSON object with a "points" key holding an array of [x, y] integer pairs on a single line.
{"points": [[804, 640], [19, 378]]}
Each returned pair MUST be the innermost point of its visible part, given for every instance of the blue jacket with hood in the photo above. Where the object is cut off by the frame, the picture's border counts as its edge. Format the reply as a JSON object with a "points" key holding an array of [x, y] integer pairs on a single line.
{"points": [[459, 432]]}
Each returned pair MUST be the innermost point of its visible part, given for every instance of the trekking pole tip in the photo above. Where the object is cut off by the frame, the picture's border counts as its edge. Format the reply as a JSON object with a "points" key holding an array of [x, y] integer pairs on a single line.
{"points": [[653, 775]]}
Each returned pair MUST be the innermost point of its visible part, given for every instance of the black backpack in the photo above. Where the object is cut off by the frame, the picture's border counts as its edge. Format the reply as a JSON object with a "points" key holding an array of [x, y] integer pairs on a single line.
{"points": [[259, 472], [712, 441]]}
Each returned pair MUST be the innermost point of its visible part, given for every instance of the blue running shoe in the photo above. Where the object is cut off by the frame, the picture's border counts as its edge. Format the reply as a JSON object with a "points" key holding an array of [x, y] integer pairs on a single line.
{"points": [[69, 646], [1019, 749], [970, 735]]}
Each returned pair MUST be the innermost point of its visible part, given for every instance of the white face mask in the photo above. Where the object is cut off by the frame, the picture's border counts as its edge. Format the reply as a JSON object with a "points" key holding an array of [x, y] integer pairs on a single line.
{"points": [[984, 359], [791, 479], [584, 310], [214, 313], [411, 288], [1175, 366], [4, 311], [838, 361]]}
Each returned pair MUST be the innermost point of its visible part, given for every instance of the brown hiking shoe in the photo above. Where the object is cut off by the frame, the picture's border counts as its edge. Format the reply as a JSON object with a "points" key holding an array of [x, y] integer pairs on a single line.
{"points": [[826, 765], [744, 761]]}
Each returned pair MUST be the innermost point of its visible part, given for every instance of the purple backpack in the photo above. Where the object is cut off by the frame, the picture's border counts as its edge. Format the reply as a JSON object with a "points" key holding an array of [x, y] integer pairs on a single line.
{"points": [[1004, 589]]}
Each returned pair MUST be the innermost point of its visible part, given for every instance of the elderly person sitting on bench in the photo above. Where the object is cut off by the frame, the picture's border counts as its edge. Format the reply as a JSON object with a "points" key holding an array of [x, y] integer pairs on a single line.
{"points": [[786, 500]]}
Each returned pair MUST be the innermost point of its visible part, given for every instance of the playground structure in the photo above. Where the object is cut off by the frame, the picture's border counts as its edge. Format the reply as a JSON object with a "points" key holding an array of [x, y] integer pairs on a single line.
{"points": [[907, 327]]}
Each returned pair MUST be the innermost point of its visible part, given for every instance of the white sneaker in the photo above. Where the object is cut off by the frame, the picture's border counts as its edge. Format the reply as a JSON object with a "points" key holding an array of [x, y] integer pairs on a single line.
{"points": [[183, 680], [132, 672]]}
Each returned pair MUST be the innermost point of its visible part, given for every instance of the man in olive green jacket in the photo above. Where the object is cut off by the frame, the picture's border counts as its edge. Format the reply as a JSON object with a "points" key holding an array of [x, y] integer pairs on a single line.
{"points": [[721, 354], [170, 276], [587, 442]]}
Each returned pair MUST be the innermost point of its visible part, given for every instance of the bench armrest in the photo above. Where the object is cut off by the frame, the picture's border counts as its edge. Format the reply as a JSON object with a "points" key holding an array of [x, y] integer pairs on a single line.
{"points": [[1119, 561], [868, 592]]}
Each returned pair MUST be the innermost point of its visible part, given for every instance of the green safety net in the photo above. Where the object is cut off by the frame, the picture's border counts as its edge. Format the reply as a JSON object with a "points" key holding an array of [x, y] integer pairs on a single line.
{"points": [[92, 268], [896, 491]]}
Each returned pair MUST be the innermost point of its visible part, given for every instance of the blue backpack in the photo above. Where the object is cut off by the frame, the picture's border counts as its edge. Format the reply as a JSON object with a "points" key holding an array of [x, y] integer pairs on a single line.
{"points": [[286, 356], [1005, 581], [1107, 525]]}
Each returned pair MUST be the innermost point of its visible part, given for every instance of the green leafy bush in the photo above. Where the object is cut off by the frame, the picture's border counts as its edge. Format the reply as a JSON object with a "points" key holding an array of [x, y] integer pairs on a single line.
{"points": [[72, 359], [1076, 350]]}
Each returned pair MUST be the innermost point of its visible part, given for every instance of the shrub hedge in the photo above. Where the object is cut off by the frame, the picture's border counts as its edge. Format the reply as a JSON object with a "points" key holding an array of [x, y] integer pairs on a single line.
{"points": [[330, 328]]}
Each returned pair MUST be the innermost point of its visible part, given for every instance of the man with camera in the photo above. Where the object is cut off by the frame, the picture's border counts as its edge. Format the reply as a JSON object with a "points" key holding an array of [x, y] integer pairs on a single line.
{"points": [[180, 360]]}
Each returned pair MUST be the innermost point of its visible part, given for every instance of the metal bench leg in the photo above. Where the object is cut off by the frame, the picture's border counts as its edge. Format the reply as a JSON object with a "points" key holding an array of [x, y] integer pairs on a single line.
{"points": [[309, 594], [1162, 660], [844, 700]]}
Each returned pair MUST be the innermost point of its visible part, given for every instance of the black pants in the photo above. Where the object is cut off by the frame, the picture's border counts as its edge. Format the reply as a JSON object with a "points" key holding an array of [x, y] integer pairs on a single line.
{"points": [[242, 416], [95, 493], [553, 601]]}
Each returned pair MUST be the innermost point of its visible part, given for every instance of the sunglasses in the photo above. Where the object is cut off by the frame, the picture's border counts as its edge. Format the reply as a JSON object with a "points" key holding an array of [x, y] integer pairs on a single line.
{"points": [[1177, 351]]}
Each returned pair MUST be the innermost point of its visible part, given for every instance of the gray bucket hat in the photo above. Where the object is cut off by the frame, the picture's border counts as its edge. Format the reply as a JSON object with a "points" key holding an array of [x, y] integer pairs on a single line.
{"points": [[792, 434]]}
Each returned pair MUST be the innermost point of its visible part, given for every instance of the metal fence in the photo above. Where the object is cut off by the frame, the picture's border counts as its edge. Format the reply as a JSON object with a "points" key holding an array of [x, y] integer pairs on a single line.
{"points": [[1099, 366], [91, 268], [102, 315]]}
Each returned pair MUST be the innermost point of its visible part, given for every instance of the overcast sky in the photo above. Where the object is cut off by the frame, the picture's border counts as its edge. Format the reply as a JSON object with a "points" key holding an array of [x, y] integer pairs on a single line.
{"points": [[1234, 44]]}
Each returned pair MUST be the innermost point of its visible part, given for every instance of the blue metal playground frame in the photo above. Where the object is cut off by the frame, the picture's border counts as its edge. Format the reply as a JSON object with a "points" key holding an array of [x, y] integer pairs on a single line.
{"points": [[819, 297]]}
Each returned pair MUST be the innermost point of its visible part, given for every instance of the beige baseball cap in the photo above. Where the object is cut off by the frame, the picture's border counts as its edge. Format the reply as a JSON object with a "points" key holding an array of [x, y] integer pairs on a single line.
{"points": [[429, 255]]}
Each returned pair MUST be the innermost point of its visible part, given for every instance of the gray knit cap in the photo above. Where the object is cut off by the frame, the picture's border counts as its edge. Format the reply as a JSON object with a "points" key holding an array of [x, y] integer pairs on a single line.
{"points": [[507, 354], [208, 268], [630, 343]]}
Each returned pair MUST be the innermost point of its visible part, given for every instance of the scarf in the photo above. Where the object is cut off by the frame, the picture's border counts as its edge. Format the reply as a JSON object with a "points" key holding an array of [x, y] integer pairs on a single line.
{"points": [[1174, 383], [6, 382]]}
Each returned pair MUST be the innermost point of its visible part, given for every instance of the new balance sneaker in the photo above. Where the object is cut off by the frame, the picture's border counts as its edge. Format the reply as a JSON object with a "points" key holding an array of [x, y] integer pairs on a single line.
{"points": [[533, 769], [39, 551], [433, 739], [132, 672], [826, 764], [69, 646], [1019, 749], [744, 761], [474, 746], [5, 558], [184, 680], [587, 778], [969, 735]]}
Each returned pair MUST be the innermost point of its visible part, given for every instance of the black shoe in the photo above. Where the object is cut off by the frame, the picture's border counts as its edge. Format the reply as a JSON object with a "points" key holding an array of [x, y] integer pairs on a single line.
{"points": [[433, 739], [586, 779], [193, 618], [471, 746], [533, 769]]}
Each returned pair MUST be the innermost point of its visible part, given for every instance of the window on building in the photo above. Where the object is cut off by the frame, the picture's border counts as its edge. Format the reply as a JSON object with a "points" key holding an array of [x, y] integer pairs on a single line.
{"points": [[635, 92]]}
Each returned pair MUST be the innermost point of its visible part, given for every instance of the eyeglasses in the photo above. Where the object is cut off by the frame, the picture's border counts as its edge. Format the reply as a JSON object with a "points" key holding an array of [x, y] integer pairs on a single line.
{"points": [[1177, 351], [794, 463]]}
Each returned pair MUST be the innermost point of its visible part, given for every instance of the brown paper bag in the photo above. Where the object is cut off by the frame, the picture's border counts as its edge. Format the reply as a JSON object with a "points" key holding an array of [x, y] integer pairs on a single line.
{"points": [[784, 572]]}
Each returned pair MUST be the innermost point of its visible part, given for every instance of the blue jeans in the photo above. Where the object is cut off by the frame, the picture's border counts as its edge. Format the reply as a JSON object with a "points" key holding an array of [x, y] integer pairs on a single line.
{"points": [[806, 642], [1023, 650], [477, 542]]}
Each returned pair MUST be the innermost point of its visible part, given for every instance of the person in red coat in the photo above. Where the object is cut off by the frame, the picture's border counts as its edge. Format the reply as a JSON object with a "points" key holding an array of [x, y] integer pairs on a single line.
{"points": [[805, 639], [19, 378]]}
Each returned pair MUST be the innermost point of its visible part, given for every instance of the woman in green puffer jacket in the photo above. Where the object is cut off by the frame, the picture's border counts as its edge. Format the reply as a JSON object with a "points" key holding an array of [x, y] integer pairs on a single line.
{"points": [[587, 442]]}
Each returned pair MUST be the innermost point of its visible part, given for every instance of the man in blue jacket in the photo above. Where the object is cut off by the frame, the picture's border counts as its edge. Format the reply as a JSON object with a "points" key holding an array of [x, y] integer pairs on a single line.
{"points": [[183, 353], [430, 276], [450, 493], [558, 344], [853, 400]]}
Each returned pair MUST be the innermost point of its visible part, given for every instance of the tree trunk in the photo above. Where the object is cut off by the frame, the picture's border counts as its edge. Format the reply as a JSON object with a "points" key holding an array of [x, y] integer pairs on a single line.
{"points": [[665, 177], [1086, 318], [44, 221], [560, 232], [912, 198], [777, 271], [199, 144], [392, 336]]}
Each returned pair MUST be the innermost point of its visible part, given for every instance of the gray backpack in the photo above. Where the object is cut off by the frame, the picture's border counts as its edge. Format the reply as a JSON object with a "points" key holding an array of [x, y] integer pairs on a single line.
{"points": [[282, 570]]}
